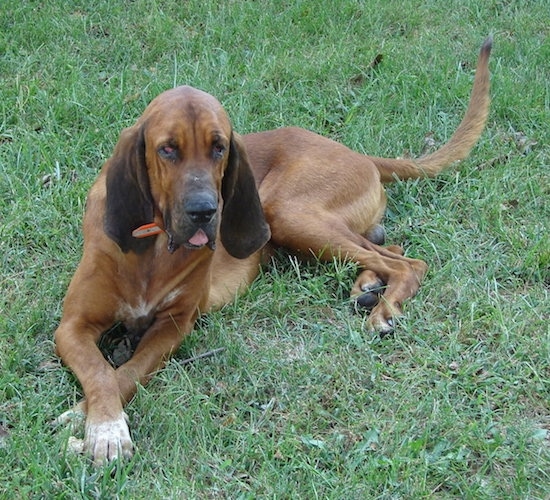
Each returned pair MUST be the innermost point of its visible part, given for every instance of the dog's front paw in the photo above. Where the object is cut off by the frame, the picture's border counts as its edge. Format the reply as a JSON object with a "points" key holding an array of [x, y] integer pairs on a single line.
{"points": [[73, 418], [109, 440]]}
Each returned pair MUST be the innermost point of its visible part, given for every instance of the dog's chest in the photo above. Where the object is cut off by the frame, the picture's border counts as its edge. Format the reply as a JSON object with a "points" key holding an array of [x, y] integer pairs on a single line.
{"points": [[139, 314], [137, 317], [165, 285]]}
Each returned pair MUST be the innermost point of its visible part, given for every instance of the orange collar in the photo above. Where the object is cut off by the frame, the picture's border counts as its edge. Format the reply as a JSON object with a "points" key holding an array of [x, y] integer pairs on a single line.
{"points": [[146, 230]]}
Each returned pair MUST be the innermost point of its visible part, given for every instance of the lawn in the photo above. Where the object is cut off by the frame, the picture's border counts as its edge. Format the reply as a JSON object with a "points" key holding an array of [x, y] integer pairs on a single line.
{"points": [[301, 401]]}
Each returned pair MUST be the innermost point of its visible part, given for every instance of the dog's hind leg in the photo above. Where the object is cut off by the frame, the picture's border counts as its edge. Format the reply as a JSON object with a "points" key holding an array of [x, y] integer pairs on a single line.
{"points": [[328, 237]]}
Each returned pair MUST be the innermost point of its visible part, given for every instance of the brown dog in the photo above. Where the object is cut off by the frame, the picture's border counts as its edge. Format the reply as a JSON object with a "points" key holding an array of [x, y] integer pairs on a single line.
{"points": [[174, 226]]}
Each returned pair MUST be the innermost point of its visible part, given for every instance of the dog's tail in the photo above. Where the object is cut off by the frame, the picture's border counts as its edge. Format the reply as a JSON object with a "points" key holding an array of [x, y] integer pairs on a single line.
{"points": [[462, 141]]}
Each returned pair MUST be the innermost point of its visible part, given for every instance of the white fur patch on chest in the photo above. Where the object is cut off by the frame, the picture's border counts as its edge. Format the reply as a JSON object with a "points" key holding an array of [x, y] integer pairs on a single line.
{"points": [[143, 311], [139, 310], [136, 317]]}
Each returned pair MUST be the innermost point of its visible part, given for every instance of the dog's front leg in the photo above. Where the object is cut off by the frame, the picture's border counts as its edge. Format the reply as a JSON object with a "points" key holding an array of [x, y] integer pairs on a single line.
{"points": [[107, 435]]}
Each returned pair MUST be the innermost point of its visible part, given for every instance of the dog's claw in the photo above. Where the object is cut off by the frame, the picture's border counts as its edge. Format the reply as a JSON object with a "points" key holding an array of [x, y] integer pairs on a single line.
{"points": [[381, 327]]}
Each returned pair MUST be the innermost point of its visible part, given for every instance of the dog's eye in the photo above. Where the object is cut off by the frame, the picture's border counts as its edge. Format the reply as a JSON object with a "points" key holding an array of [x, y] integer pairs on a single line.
{"points": [[168, 152], [218, 151]]}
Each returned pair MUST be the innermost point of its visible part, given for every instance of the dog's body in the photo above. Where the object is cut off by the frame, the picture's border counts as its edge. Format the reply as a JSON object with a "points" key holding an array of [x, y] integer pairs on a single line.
{"points": [[181, 174]]}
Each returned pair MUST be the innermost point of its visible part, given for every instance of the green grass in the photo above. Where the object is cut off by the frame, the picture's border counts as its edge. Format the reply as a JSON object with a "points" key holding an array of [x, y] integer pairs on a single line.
{"points": [[303, 402]]}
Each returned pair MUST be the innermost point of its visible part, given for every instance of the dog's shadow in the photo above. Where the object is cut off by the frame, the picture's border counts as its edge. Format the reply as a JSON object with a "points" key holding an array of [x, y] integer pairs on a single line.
{"points": [[118, 344]]}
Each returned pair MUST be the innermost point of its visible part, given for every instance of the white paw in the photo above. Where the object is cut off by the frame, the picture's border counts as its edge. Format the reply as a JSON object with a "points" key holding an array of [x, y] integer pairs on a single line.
{"points": [[107, 441], [73, 418]]}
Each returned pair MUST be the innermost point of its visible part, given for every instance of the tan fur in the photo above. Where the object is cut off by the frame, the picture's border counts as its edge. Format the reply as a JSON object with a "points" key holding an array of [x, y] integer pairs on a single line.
{"points": [[153, 289], [319, 198]]}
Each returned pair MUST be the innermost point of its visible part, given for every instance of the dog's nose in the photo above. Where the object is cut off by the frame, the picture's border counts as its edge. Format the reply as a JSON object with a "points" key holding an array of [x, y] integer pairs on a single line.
{"points": [[202, 216], [201, 211]]}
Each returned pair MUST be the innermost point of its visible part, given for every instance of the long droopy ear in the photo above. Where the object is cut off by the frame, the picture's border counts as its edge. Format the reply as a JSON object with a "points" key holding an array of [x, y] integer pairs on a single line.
{"points": [[243, 226], [129, 202]]}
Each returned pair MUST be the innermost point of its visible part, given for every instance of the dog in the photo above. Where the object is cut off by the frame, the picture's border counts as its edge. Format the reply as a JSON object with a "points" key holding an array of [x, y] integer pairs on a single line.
{"points": [[182, 215]]}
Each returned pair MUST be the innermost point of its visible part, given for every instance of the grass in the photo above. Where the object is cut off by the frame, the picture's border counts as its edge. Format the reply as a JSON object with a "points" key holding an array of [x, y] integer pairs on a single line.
{"points": [[303, 402]]}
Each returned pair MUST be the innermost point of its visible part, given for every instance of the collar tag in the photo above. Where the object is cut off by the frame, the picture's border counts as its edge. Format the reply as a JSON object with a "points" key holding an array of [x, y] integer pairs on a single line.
{"points": [[146, 230]]}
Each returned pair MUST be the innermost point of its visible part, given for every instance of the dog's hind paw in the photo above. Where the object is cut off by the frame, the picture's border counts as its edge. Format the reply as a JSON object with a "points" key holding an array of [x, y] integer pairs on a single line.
{"points": [[369, 296], [384, 317], [366, 291]]}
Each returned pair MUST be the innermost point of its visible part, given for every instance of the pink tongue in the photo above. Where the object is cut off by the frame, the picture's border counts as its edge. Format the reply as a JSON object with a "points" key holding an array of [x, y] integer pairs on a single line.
{"points": [[199, 238]]}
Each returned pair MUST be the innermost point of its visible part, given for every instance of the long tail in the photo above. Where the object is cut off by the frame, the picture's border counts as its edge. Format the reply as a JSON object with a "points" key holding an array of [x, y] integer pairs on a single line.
{"points": [[462, 141]]}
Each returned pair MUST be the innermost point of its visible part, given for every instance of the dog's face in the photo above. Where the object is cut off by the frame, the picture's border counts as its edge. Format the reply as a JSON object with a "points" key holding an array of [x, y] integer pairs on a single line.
{"points": [[187, 138], [183, 167]]}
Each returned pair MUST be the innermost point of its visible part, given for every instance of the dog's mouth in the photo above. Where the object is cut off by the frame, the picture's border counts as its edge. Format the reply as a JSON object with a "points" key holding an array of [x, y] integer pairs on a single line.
{"points": [[201, 237]]}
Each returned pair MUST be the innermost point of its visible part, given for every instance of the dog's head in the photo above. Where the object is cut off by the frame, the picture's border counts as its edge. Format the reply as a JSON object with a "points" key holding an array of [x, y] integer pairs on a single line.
{"points": [[182, 164]]}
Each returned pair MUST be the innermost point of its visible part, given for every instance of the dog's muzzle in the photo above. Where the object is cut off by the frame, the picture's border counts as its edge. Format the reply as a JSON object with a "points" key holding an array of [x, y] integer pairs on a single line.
{"points": [[195, 224]]}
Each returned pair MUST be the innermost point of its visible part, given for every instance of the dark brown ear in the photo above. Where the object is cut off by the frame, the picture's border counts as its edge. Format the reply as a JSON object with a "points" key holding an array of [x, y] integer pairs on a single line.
{"points": [[129, 202], [243, 227]]}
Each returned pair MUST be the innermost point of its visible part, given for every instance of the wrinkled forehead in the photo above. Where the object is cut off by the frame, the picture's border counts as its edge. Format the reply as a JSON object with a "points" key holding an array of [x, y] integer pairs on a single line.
{"points": [[186, 108]]}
